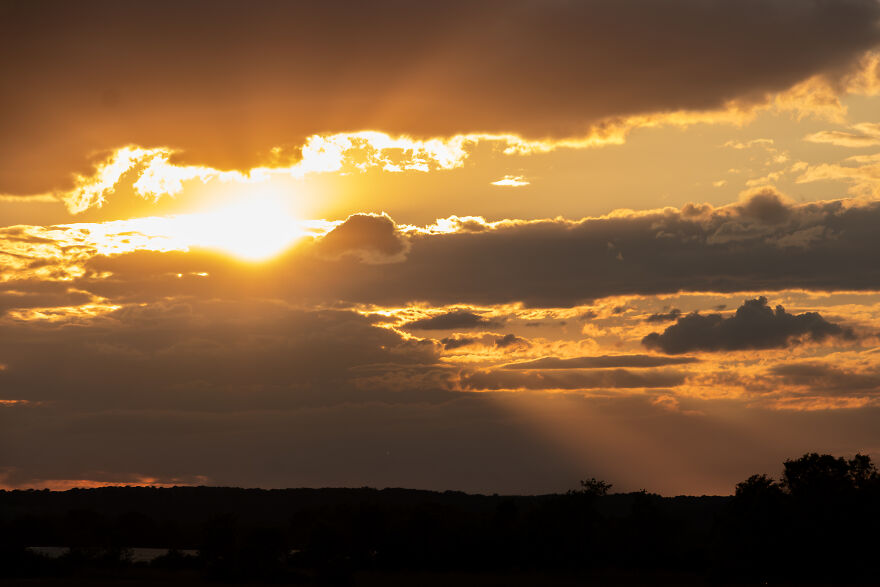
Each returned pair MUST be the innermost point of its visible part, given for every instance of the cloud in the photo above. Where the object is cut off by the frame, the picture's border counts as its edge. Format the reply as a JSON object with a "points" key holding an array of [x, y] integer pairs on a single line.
{"points": [[513, 181], [164, 76], [35, 198], [252, 392], [740, 145], [867, 134], [765, 205], [368, 237], [601, 362], [571, 380], [862, 172], [842, 138], [754, 326], [821, 378], [152, 173], [454, 320], [541, 263], [511, 340], [451, 343], [763, 243], [375, 444], [669, 316], [214, 355], [52, 295]]}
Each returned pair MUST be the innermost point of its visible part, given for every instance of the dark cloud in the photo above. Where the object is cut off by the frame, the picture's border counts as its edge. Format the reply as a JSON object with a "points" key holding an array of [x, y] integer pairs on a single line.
{"points": [[372, 238], [227, 83], [468, 443], [593, 379], [376, 444], [454, 343], [511, 340], [55, 295], [824, 246], [669, 316], [601, 362], [825, 379], [767, 206], [754, 326], [454, 320], [547, 263], [213, 355]]}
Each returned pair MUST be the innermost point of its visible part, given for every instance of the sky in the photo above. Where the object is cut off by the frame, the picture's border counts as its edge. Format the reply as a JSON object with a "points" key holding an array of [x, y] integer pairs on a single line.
{"points": [[496, 247]]}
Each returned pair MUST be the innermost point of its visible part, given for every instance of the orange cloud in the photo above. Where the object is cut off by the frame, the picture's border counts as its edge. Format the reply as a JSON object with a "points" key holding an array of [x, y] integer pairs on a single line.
{"points": [[564, 72]]}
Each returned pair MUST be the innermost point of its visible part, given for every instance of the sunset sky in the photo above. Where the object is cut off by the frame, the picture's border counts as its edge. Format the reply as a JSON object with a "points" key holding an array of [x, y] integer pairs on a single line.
{"points": [[482, 246]]}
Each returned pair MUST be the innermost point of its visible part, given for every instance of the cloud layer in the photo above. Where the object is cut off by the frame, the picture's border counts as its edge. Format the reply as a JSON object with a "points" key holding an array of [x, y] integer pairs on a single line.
{"points": [[601, 362], [228, 84], [544, 263]]}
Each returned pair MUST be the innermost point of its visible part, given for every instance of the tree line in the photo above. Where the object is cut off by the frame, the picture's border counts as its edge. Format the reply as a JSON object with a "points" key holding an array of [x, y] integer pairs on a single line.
{"points": [[816, 523]]}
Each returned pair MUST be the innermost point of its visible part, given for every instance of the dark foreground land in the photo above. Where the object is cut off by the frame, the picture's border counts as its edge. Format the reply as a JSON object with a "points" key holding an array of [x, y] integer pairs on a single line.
{"points": [[818, 525]]}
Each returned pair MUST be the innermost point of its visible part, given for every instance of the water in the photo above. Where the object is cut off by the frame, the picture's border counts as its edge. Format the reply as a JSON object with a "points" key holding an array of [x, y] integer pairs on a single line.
{"points": [[138, 555]]}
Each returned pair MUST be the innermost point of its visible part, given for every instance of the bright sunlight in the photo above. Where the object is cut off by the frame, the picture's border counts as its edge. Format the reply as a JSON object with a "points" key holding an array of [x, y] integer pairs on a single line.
{"points": [[255, 228]]}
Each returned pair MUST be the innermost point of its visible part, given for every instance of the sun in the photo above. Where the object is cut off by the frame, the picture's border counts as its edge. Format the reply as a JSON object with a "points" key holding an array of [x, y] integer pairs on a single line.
{"points": [[254, 227]]}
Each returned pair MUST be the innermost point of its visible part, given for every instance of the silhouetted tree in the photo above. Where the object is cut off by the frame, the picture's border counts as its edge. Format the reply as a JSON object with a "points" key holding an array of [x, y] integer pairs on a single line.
{"points": [[595, 487], [758, 487], [815, 523], [863, 472], [817, 475]]}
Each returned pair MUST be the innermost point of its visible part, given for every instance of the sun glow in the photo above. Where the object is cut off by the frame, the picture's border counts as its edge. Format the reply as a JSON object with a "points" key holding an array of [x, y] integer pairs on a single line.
{"points": [[255, 228]]}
